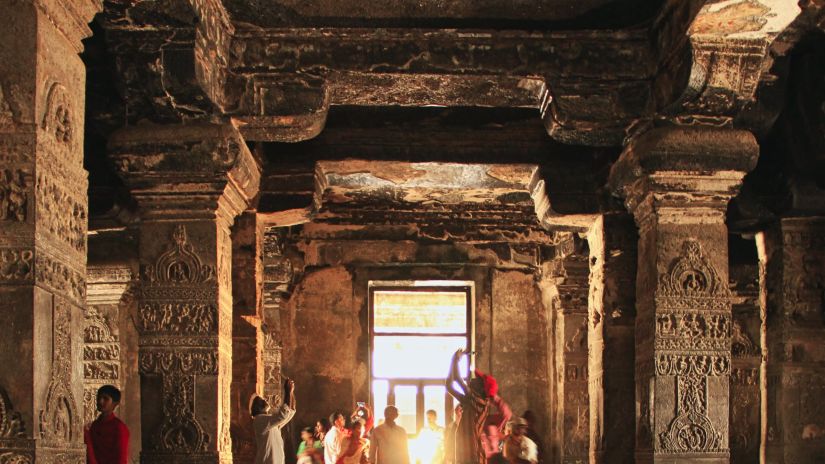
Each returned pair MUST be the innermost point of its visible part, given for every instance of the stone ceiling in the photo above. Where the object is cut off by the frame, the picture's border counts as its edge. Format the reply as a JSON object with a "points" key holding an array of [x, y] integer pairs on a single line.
{"points": [[591, 73]]}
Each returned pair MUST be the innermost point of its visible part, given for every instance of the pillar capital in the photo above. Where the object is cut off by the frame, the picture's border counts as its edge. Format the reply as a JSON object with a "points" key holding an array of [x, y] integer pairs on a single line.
{"points": [[190, 171], [71, 18], [683, 175]]}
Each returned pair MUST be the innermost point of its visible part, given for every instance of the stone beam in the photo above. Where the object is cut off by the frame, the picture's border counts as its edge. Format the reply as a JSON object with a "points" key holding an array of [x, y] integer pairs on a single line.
{"points": [[485, 195], [730, 48]]}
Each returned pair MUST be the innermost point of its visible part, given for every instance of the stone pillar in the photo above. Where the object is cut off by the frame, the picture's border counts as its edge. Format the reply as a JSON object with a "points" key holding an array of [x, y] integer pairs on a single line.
{"points": [[677, 183], [247, 338], [746, 363], [190, 182], [573, 409], [793, 253], [101, 335], [612, 315], [43, 222], [278, 275]]}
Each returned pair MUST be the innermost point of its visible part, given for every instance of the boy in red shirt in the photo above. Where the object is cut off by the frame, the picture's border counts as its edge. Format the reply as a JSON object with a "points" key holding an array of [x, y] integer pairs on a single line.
{"points": [[107, 438]]}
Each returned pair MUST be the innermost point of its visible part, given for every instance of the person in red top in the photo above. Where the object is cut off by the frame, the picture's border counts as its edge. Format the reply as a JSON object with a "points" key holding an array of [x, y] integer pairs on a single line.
{"points": [[107, 438]]}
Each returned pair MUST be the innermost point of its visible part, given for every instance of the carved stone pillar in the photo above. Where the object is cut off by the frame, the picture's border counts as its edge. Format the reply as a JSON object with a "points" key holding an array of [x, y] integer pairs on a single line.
{"points": [[278, 275], [247, 338], [573, 411], [677, 183], [746, 365], [794, 256], [612, 315], [43, 221], [101, 335], [190, 182]]}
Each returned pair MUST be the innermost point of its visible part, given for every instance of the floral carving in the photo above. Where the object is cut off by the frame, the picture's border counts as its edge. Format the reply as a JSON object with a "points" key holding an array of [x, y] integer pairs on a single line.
{"points": [[172, 362], [59, 420], [691, 430], [13, 195], [180, 431], [180, 264]]}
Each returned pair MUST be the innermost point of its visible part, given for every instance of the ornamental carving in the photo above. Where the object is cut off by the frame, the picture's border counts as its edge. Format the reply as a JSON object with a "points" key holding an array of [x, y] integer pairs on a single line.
{"points": [[696, 365], [180, 432], [59, 419], [16, 264], [14, 458], [60, 278], [13, 195], [60, 213], [691, 430], [183, 318], [692, 330], [97, 328], [11, 424], [179, 265], [741, 343], [58, 119], [175, 362], [692, 283], [101, 370]]}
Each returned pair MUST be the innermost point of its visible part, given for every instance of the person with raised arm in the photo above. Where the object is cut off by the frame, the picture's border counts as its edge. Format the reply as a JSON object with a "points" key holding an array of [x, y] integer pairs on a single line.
{"points": [[475, 398], [268, 426]]}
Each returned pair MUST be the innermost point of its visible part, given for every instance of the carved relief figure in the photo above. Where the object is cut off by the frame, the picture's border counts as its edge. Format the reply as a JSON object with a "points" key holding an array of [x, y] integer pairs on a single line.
{"points": [[179, 264], [13, 195]]}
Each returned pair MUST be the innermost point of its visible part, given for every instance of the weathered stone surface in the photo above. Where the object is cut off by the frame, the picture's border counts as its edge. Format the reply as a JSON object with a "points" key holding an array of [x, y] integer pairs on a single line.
{"points": [[43, 220], [792, 256], [683, 324]]}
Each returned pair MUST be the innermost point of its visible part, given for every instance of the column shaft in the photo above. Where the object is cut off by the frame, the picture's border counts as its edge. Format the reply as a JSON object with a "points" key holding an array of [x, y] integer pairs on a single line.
{"points": [[43, 222], [677, 182]]}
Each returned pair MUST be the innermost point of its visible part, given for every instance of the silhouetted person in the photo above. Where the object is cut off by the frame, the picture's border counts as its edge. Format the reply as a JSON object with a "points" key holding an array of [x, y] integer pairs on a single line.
{"points": [[389, 441], [449, 436], [268, 426], [475, 399], [107, 438]]}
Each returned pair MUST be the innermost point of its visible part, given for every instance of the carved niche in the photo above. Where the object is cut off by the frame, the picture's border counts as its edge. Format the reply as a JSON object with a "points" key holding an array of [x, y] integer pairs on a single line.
{"points": [[693, 324], [59, 419], [13, 195], [180, 264], [58, 120]]}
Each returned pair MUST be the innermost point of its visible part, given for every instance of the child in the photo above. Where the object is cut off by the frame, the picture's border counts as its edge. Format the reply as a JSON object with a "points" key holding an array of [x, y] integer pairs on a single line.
{"points": [[310, 450], [107, 438]]}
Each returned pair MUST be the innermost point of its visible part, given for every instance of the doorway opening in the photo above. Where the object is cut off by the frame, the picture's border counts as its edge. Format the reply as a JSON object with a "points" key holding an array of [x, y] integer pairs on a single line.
{"points": [[415, 327]]}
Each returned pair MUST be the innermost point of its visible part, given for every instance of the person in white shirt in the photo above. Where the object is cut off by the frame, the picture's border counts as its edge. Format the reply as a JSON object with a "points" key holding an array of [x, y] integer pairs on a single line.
{"points": [[334, 438], [268, 427], [518, 449], [388, 444]]}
